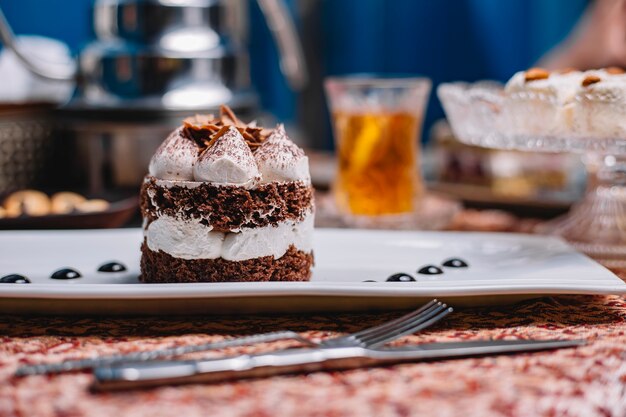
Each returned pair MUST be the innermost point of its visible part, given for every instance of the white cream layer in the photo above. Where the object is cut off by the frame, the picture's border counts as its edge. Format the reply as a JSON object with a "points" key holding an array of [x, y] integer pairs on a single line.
{"points": [[189, 239]]}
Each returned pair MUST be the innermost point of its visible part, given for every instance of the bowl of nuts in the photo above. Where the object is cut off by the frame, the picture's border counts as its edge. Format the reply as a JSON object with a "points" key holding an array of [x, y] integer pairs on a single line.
{"points": [[34, 209]]}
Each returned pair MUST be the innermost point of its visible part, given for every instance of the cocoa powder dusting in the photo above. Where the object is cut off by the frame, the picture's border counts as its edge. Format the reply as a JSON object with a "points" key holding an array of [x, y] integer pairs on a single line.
{"points": [[279, 149]]}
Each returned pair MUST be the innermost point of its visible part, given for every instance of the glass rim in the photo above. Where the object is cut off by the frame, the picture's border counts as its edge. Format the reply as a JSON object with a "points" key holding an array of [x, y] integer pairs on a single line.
{"points": [[377, 80]]}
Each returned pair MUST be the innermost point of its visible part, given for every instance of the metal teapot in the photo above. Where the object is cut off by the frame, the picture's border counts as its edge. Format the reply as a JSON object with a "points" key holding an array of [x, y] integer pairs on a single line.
{"points": [[170, 55]]}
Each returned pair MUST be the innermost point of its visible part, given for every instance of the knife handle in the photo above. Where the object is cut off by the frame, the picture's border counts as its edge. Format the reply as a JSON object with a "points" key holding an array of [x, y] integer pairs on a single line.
{"points": [[151, 355], [244, 366]]}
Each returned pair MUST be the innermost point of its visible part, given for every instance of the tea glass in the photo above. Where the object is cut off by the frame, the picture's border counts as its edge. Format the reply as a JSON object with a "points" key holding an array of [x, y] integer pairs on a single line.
{"points": [[377, 124]]}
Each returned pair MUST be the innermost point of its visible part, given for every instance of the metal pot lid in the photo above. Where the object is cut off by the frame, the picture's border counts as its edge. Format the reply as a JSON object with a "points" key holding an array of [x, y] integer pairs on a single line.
{"points": [[138, 79], [152, 110], [145, 21]]}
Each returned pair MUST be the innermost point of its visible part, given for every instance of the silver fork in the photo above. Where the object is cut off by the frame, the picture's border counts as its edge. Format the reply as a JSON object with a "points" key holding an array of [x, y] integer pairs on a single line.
{"points": [[372, 337], [275, 362]]}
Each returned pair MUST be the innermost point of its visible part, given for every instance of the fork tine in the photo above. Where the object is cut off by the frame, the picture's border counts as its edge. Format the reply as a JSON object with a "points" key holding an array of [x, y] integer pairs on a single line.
{"points": [[395, 322], [389, 327], [426, 315], [421, 325], [413, 326], [399, 327]]}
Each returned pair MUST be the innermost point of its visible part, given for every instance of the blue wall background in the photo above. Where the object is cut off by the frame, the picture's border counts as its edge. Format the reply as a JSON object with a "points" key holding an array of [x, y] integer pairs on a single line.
{"points": [[443, 39], [67, 20], [446, 40]]}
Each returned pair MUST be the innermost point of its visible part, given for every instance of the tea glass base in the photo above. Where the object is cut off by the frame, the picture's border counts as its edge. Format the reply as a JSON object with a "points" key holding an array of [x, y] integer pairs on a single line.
{"points": [[596, 225], [434, 212]]}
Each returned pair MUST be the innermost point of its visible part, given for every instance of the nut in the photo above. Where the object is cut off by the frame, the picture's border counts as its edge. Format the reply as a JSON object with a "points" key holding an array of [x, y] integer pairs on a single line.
{"points": [[534, 74], [591, 79], [614, 70], [92, 206], [65, 202], [27, 202]]}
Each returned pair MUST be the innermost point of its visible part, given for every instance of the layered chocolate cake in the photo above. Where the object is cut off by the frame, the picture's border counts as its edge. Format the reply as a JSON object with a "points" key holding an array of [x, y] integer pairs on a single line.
{"points": [[227, 201]]}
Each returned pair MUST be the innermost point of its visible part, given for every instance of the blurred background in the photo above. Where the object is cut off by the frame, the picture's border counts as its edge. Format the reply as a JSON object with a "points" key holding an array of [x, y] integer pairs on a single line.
{"points": [[445, 40], [145, 64]]}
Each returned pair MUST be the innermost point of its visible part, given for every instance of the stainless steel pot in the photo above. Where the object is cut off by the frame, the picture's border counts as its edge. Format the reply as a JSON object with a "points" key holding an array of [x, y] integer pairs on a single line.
{"points": [[122, 75], [150, 22], [173, 54]]}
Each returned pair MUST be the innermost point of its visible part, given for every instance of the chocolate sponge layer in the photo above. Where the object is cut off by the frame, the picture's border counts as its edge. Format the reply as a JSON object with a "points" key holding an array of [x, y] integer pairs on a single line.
{"points": [[160, 267], [228, 207]]}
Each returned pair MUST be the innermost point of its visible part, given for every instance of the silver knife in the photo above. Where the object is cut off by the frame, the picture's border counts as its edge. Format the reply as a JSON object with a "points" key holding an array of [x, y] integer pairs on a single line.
{"points": [[302, 360]]}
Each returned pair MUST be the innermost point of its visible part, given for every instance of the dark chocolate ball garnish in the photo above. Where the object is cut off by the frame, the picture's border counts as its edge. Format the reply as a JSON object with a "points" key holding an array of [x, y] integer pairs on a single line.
{"points": [[14, 279], [400, 277], [112, 267], [455, 263], [430, 270], [65, 273]]}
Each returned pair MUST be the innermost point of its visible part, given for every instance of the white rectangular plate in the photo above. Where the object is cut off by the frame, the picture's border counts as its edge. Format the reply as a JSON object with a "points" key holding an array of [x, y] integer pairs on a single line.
{"points": [[499, 265]]}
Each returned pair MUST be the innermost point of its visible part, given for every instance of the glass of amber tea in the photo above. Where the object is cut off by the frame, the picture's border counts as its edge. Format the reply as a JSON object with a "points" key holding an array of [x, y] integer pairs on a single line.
{"points": [[377, 124]]}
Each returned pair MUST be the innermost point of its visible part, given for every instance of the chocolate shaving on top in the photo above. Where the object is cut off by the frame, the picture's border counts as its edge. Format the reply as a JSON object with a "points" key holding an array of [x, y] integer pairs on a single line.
{"points": [[227, 113], [205, 129], [199, 121], [217, 135]]}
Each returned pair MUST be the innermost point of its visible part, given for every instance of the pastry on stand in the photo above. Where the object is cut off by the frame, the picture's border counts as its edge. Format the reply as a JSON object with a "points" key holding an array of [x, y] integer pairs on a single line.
{"points": [[561, 111]]}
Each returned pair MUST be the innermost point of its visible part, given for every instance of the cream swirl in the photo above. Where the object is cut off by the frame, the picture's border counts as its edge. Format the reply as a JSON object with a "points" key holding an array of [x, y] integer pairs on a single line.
{"points": [[175, 158], [279, 159], [228, 161]]}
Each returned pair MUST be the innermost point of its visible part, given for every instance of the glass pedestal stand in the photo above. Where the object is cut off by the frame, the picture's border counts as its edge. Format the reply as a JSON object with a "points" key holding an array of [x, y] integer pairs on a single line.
{"points": [[483, 114], [597, 224]]}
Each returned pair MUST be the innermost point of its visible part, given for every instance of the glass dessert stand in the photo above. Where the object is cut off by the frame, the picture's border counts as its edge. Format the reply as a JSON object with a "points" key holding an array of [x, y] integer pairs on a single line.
{"points": [[483, 115]]}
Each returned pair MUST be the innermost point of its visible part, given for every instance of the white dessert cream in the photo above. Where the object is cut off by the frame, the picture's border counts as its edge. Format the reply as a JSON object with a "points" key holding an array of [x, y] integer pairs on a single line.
{"points": [[189, 239], [175, 158], [228, 161], [279, 159]]}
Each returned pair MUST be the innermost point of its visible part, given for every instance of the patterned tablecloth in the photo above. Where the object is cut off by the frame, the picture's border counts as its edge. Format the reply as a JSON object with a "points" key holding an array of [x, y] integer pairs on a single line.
{"points": [[585, 381]]}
